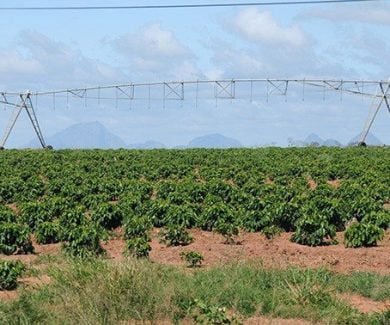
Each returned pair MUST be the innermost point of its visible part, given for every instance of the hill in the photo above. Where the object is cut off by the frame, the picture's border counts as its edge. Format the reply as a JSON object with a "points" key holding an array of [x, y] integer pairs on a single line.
{"points": [[83, 136], [214, 141]]}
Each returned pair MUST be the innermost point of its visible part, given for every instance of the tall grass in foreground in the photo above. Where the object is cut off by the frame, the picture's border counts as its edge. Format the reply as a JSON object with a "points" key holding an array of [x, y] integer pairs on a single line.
{"points": [[100, 292]]}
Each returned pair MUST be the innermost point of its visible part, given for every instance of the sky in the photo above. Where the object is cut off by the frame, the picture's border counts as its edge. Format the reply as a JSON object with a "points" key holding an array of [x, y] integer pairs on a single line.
{"points": [[47, 50]]}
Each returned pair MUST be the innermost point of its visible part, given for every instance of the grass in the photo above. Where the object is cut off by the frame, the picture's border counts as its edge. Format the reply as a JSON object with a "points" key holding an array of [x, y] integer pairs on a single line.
{"points": [[101, 292], [373, 286]]}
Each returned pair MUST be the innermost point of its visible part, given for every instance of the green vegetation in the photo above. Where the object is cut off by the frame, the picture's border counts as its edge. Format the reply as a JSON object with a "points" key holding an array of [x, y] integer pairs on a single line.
{"points": [[205, 314], [58, 195], [193, 259], [15, 238], [363, 234], [83, 242], [81, 197], [271, 232], [175, 235], [138, 246], [101, 292], [48, 232], [10, 271]]}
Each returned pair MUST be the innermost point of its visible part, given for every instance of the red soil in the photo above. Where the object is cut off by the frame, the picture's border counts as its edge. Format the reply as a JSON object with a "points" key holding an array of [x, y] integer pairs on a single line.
{"points": [[279, 252], [364, 304]]}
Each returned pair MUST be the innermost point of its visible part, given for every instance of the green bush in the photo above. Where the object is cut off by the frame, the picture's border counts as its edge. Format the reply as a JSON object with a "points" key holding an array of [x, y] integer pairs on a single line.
{"points": [[363, 235], [175, 236], [34, 213], [228, 230], [182, 215], [107, 215], [380, 219], [15, 238], [157, 211], [203, 313], [10, 271], [271, 232], [138, 246], [83, 241], [6, 214], [72, 217], [48, 233], [136, 226], [314, 230], [194, 259], [214, 214]]}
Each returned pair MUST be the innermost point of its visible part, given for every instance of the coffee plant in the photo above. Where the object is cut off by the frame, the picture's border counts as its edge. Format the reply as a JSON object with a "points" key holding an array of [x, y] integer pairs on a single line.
{"points": [[271, 232], [228, 230], [138, 246], [107, 215], [193, 259], [83, 241], [48, 232], [363, 235], [175, 236], [314, 230], [15, 238], [10, 271]]}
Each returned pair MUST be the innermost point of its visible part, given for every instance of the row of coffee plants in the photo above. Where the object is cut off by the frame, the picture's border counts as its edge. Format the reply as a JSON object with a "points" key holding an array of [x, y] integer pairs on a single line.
{"points": [[78, 197]]}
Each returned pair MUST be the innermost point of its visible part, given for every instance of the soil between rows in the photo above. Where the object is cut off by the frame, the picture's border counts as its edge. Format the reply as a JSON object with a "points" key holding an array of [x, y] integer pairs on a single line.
{"points": [[279, 252]]}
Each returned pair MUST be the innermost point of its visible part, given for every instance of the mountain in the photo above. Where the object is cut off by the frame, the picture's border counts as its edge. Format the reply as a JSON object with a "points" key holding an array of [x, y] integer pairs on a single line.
{"points": [[315, 141], [214, 141], [83, 136], [371, 140], [331, 143], [297, 143], [147, 145], [312, 139]]}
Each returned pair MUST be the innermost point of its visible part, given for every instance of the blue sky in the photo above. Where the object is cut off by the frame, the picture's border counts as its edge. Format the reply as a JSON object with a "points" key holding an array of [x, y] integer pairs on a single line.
{"points": [[55, 50]]}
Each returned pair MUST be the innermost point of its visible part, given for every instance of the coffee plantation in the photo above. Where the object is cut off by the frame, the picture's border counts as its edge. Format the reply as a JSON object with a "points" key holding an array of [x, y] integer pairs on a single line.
{"points": [[78, 197]]}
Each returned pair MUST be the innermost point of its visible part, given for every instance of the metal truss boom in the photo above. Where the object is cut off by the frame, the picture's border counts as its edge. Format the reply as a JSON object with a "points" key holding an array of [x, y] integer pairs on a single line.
{"points": [[349, 86], [378, 90]]}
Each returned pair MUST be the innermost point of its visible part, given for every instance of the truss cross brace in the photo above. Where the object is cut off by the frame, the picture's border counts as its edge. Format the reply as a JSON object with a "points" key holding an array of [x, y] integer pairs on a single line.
{"points": [[174, 91], [24, 103], [385, 96], [225, 89]]}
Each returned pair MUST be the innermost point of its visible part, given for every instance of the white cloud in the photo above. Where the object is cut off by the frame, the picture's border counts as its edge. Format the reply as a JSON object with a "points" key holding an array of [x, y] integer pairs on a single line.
{"points": [[378, 14], [155, 52], [260, 26], [243, 60], [13, 62], [150, 42], [232, 62], [38, 62], [261, 46]]}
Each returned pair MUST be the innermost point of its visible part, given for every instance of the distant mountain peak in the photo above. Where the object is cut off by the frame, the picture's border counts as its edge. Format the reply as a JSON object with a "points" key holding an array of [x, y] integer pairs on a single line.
{"points": [[84, 136], [331, 143], [214, 140], [314, 138]]}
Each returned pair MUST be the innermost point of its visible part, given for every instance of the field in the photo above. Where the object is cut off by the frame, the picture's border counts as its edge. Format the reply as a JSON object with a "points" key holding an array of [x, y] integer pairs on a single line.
{"points": [[251, 236]]}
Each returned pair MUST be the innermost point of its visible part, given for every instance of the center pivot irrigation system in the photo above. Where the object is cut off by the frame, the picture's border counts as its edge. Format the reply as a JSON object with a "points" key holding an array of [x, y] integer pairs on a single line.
{"points": [[377, 90]]}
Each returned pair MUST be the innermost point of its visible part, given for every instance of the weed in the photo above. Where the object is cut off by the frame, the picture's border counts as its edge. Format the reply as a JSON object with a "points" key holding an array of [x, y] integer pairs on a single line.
{"points": [[194, 259]]}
